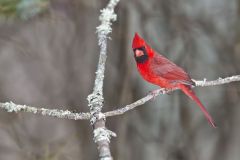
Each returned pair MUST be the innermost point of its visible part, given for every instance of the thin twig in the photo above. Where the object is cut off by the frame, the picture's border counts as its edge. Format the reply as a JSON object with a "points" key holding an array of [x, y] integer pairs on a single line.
{"points": [[155, 93], [101, 134], [12, 107]]}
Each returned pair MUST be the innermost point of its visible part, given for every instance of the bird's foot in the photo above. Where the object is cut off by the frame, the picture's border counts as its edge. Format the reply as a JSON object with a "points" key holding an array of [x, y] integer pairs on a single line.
{"points": [[166, 91], [154, 94]]}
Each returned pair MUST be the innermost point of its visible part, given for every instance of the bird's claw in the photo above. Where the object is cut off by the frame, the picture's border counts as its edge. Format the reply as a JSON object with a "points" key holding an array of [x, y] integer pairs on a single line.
{"points": [[167, 91], [154, 93]]}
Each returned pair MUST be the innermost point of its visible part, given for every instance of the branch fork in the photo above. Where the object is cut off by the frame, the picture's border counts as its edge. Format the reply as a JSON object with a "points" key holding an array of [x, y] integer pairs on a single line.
{"points": [[101, 135]]}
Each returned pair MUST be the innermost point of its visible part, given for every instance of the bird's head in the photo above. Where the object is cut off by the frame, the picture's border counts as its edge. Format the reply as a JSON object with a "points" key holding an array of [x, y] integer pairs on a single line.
{"points": [[141, 49]]}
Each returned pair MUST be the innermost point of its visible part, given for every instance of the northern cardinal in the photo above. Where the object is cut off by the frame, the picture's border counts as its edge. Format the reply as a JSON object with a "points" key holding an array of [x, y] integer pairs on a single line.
{"points": [[160, 71]]}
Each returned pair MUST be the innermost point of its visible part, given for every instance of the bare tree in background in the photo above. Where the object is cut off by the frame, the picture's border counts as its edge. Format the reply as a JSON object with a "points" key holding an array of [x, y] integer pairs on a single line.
{"points": [[51, 61]]}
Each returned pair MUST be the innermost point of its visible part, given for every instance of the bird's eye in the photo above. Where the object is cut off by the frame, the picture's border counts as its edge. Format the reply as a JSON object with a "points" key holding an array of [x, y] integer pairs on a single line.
{"points": [[140, 48]]}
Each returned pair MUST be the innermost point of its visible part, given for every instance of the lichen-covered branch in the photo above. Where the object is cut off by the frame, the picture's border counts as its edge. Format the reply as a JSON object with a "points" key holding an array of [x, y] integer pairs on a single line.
{"points": [[219, 81], [95, 100], [12, 107], [155, 93]]}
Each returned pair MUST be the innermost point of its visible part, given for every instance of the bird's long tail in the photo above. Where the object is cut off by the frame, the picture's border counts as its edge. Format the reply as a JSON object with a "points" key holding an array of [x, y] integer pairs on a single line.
{"points": [[189, 92]]}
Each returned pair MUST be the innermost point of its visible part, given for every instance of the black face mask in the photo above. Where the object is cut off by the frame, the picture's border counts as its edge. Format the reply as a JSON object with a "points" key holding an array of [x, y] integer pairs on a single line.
{"points": [[143, 58]]}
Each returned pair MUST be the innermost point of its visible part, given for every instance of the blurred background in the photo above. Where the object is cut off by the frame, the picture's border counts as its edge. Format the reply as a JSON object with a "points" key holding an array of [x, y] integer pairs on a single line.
{"points": [[48, 58]]}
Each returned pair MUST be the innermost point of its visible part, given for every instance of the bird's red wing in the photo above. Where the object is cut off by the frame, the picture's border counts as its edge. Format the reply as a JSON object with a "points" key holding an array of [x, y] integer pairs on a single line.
{"points": [[164, 68]]}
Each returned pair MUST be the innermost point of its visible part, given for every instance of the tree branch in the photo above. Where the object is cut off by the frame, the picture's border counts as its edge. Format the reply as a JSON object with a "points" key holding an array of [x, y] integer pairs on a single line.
{"points": [[12, 107], [219, 81], [155, 93], [95, 100]]}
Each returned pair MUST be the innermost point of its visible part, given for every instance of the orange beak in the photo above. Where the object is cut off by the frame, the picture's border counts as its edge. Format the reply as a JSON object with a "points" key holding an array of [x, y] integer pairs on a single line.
{"points": [[139, 53]]}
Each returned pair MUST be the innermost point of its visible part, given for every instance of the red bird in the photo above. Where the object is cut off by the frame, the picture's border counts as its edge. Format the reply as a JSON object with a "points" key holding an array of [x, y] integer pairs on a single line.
{"points": [[160, 71]]}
